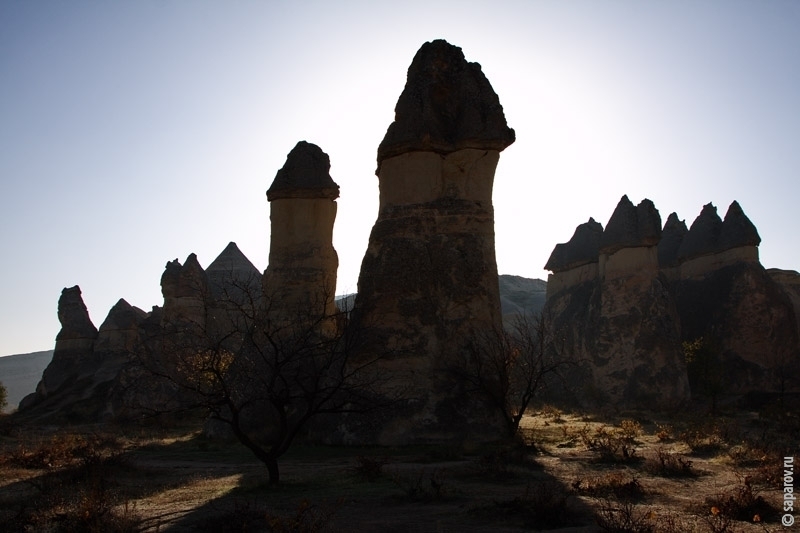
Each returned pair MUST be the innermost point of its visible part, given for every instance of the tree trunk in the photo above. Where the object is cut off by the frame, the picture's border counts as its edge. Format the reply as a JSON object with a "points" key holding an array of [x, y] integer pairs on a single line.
{"points": [[274, 473]]}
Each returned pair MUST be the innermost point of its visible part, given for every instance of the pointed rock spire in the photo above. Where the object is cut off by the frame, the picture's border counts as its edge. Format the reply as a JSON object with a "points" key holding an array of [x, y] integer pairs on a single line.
{"points": [[446, 105], [631, 226], [671, 238], [703, 235], [737, 230]]}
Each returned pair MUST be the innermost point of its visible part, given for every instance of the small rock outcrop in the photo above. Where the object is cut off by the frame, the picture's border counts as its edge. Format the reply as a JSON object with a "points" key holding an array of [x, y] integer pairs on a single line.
{"points": [[185, 290], [301, 276], [429, 279]]}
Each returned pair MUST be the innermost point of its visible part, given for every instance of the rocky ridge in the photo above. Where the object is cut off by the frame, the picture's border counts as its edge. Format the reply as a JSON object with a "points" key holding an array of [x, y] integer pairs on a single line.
{"points": [[653, 289]]}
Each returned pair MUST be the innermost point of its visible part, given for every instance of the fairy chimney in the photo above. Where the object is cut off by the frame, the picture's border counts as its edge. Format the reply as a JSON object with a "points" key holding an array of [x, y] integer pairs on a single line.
{"points": [[428, 283], [301, 276]]}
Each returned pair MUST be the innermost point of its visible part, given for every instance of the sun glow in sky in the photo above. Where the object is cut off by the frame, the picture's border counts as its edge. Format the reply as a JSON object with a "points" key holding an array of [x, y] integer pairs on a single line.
{"points": [[134, 133]]}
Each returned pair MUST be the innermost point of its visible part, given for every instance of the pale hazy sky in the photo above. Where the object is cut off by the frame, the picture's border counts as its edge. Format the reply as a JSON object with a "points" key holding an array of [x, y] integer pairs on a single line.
{"points": [[133, 133]]}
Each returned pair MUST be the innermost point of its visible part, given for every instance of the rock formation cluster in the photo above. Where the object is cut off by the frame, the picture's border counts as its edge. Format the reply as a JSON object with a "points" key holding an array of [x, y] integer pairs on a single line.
{"points": [[631, 294], [623, 298]]}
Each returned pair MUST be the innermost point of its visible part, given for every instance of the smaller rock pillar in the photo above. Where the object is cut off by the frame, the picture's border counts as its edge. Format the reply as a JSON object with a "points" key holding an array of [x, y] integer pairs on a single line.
{"points": [[301, 277]]}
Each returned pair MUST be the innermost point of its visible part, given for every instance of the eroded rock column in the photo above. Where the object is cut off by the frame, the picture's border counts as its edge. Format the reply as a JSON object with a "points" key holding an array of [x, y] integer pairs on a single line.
{"points": [[301, 277], [428, 284]]}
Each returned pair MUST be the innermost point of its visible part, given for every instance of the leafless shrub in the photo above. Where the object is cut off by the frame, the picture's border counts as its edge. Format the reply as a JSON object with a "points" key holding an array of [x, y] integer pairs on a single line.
{"points": [[307, 518], [667, 464], [543, 505], [741, 503], [610, 445], [369, 468], [424, 487], [624, 517], [619, 485]]}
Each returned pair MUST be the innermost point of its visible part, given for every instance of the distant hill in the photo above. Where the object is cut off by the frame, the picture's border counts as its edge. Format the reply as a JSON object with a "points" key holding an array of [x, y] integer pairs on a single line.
{"points": [[518, 296], [20, 374], [521, 296]]}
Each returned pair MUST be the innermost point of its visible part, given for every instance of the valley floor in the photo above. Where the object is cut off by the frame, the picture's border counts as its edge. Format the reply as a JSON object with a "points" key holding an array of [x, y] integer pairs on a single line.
{"points": [[637, 472]]}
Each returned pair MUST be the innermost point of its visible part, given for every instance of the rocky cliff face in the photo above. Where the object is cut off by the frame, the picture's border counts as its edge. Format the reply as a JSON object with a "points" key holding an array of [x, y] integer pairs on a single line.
{"points": [[429, 280], [607, 295], [651, 290]]}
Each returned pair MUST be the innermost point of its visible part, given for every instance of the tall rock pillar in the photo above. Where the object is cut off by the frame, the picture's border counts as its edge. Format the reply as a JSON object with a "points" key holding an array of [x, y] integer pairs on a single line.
{"points": [[301, 276], [428, 283]]}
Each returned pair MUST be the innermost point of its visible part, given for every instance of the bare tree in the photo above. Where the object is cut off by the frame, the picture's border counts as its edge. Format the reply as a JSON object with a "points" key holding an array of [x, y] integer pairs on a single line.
{"points": [[513, 366], [261, 371]]}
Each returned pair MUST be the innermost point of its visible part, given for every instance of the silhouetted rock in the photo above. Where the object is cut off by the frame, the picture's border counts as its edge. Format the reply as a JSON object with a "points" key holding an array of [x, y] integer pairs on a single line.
{"points": [[447, 105], [737, 230], [301, 277], [581, 249], [185, 290], [627, 322], [671, 239], [74, 343], [703, 235], [232, 276], [631, 226], [306, 174], [429, 279]]}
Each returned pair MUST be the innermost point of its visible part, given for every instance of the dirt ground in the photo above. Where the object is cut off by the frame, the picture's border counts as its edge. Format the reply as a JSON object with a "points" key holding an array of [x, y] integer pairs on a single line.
{"points": [[574, 472]]}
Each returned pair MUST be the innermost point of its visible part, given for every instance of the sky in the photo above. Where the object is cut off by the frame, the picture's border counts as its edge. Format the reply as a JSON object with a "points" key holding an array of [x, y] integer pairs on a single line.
{"points": [[135, 133]]}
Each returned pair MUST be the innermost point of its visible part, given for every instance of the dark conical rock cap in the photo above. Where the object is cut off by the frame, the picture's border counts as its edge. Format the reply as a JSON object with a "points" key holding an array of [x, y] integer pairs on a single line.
{"points": [[306, 174], [232, 260], [737, 230], [581, 249], [232, 270], [703, 236], [671, 238], [73, 316], [446, 105], [123, 316], [631, 226]]}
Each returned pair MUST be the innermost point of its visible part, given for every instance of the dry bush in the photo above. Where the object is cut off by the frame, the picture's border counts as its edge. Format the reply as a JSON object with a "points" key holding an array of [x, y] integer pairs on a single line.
{"points": [[620, 485], [76, 492], [63, 449], [543, 505], [703, 438], [611, 445], [629, 430], [369, 468], [425, 487], [624, 517], [667, 464], [664, 432], [307, 518], [741, 503]]}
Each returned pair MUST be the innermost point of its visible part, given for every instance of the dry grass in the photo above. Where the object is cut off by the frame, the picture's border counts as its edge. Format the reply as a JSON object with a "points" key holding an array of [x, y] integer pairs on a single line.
{"points": [[615, 474]]}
